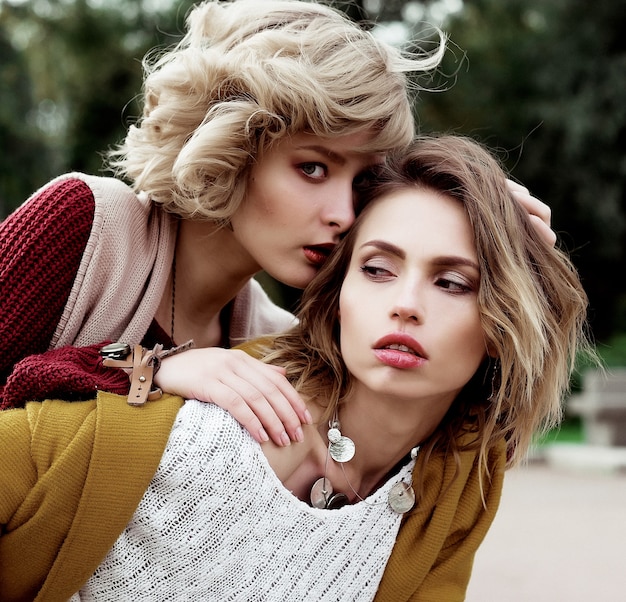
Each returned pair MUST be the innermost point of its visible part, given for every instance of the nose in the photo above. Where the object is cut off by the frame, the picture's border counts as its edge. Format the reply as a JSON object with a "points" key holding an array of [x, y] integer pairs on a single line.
{"points": [[407, 305], [406, 314], [339, 209]]}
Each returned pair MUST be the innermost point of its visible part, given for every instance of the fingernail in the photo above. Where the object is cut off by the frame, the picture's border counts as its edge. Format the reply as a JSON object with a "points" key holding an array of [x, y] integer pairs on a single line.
{"points": [[307, 417], [284, 438], [263, 434], [299, 435]]}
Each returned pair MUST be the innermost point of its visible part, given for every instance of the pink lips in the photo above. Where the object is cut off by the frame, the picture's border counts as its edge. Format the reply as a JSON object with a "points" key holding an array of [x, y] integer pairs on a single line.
{"points": [[399, 350], [318, 254]]}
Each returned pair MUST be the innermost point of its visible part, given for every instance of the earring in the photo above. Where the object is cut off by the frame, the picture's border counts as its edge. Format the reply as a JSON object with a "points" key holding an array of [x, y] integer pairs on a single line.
{"points": [[495, 378]]}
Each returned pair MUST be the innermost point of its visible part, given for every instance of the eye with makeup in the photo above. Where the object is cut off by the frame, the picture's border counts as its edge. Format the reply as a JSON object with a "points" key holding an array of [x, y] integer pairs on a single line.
{"points": [[313, 170], [378, 269], [455, 283]]}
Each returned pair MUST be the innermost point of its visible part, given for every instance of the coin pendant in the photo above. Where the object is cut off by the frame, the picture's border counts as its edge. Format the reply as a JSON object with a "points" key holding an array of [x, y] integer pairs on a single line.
{"points": [[336, 501], [334, 434], [342, 450], [401, 497], [320, 493]]}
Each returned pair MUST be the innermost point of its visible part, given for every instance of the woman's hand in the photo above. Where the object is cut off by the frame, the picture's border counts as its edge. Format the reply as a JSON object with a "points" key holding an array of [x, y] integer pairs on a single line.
{"points": [[257, 395], [539, 212]]}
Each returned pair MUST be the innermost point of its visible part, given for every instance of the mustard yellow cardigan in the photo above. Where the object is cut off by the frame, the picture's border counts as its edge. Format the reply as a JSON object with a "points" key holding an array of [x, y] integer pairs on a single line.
{"points": [[72, 475]]}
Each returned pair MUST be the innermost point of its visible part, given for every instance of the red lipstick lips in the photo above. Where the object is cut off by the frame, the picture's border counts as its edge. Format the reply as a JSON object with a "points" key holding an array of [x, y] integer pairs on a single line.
{"points": [[399, 350], [317, 254]]}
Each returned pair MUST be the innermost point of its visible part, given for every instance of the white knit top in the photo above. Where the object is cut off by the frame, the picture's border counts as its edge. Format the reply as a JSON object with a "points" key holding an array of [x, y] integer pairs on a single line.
{"points": [[217, 524]]}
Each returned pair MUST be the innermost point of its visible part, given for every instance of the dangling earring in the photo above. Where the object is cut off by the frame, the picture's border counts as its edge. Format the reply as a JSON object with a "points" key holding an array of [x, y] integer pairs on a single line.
{"points": [[495, 378]]}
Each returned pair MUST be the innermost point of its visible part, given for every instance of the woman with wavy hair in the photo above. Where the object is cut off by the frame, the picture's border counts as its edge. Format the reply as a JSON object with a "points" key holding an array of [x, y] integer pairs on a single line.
{"points": [[255, 130], [437, 339]]}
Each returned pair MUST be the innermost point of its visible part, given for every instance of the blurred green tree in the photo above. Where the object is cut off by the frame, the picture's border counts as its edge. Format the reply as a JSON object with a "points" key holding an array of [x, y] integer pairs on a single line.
{"points": [[544, 82], [69, 70], [24, 153]]}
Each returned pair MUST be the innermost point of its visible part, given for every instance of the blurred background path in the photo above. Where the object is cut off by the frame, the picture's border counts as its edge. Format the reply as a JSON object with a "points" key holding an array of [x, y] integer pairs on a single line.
{"points": [[560, 533]]}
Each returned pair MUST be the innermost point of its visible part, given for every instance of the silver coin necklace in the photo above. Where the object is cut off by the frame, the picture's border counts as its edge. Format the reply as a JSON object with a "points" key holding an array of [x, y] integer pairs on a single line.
{"points": [[341, 449]]}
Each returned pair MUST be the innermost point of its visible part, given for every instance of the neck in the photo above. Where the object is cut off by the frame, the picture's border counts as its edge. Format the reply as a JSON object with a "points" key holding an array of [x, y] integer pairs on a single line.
{"points": [[211, 268], [384, 431], [381, 436]]}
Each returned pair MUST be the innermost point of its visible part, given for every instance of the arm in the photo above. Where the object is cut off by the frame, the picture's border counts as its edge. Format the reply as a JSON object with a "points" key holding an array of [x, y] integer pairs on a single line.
{"points": [[18, 473], [41, 246], [71, 478], [257, 395], [18, 477]]}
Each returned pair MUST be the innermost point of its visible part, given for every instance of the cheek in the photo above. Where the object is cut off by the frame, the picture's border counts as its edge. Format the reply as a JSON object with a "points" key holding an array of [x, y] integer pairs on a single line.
{"points": [[347, 318], [353, 339], [462, 334], [475, 345], [348, 309]]}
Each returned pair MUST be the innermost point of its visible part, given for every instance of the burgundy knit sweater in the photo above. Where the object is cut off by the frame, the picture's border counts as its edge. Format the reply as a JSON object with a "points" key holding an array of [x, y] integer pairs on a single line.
{"points": [[67, 278], [41, 246]]}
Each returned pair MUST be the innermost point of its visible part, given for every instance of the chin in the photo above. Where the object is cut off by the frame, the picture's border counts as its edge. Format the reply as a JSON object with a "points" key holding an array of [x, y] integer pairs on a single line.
{"points": [[300, 281]]}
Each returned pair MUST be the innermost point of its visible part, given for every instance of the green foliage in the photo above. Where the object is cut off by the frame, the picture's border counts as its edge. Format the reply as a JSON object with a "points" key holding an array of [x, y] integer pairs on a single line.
{"points": [[570, 431], [544, 83], [23, 151], [613, 351], [69, 71]]}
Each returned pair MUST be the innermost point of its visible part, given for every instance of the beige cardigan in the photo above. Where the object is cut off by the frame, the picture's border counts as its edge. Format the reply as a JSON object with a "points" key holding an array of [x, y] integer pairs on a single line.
{"points": [[124, 271]]}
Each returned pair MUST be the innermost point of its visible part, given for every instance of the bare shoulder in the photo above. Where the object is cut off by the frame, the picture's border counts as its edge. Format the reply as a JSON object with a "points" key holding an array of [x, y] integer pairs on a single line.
{"points": [[285, 461]]}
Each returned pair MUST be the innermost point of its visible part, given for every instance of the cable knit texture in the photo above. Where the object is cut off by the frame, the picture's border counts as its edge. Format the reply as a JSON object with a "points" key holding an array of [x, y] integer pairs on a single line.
{"points": [[217, 524], [86, 260], [41, 245], [70, 373]]}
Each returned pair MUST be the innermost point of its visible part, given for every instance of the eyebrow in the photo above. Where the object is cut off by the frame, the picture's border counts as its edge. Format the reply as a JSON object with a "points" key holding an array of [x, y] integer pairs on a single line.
{"points": [[445, 260], [332, 155]]}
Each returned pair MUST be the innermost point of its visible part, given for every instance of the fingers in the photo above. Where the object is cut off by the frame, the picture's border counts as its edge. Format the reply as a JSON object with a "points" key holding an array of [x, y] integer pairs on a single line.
{"points": [[545, 231], [532, 204], [239, 406], [257, 395], [540, 214], [262, 401]]}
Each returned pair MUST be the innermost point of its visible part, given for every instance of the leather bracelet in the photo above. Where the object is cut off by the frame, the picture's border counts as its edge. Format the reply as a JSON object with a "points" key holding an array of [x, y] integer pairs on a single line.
{"points": [[143, 365]]}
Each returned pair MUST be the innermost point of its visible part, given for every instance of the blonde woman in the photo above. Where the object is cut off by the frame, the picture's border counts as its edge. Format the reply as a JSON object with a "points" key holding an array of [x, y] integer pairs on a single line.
{"points": [[254, 131], [431, 346]]}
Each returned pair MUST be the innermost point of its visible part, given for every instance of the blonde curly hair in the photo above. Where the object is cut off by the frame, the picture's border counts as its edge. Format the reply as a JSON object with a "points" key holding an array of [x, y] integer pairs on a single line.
{"points": [[250, 72]]}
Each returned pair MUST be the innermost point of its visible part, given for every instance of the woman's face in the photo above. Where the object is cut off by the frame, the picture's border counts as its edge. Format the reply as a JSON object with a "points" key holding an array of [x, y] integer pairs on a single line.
{"points": [[410, 324], [300, 200]]}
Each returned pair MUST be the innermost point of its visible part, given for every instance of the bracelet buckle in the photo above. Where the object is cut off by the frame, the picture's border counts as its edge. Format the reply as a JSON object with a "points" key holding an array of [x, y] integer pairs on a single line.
{"points": [[143, 365]]}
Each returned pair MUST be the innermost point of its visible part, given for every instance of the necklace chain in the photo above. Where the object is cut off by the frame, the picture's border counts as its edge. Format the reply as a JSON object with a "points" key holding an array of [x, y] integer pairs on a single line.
{"points": [[173, 298], [401, 497]]}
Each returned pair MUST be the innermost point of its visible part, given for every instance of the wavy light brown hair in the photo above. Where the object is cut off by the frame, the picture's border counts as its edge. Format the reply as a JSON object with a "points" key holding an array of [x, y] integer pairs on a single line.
{"points": [[531, 302], [248, 73]]}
